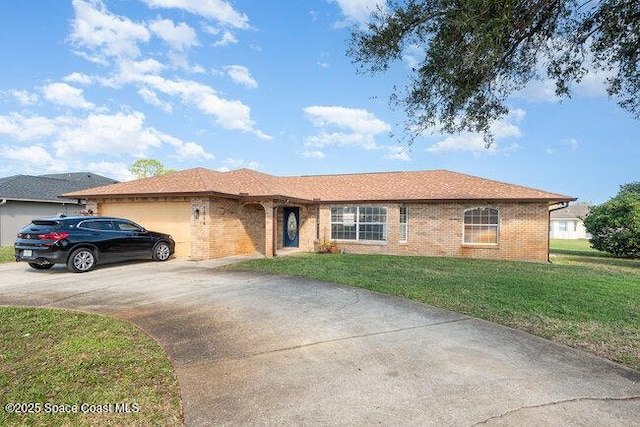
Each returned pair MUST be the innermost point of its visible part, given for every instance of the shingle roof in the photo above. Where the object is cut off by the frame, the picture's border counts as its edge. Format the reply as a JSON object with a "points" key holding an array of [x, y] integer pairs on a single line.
{"points": [[579, 210], [48, 188], [384, 186]]}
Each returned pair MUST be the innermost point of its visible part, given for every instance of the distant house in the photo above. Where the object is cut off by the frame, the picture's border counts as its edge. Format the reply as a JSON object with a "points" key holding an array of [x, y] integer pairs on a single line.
{"points": [[214, 214], [567, 223], [24, 197]]}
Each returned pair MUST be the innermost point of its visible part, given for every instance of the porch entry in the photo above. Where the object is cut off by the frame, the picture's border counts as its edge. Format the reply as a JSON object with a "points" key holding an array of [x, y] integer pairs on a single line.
{"points": [[290, 227]]}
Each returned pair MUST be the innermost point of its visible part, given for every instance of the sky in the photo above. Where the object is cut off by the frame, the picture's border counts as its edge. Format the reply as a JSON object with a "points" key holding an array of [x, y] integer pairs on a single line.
{"points": [[94, 85]]}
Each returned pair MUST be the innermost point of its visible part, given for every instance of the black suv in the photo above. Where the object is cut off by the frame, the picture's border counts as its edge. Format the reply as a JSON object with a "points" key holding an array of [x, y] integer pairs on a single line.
{"points": [[81, 242]]}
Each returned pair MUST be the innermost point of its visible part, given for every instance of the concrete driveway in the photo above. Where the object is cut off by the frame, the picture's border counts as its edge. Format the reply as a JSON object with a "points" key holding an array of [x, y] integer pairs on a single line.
{"points": [[264, 349]]}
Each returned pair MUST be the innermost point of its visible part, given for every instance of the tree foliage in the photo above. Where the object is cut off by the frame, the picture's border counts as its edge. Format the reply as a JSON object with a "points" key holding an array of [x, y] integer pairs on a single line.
{"points": [[143, 168], [615, 225], [475, 53]]}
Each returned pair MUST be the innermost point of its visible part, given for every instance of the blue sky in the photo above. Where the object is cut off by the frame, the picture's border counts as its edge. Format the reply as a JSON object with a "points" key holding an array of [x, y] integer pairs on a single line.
{"points": [[90, 85]]}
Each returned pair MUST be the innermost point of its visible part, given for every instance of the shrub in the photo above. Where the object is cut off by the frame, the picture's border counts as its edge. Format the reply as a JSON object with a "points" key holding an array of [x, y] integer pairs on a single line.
{"points": [[615, 225]]}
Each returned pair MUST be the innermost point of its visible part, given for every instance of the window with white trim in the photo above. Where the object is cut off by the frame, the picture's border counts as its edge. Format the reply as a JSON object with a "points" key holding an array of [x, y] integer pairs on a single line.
{"points": [[366, 223], [481, 226], [404, 223]]}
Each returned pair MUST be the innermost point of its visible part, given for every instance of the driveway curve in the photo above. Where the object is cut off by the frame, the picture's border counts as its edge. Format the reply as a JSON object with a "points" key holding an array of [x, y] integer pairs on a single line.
{"points": [[251, 348]]}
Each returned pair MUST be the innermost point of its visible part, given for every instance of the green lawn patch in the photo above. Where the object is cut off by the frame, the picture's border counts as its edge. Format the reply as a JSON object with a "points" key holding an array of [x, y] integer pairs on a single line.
{"points": [[70, 368], [590, 305], [7, 254]]}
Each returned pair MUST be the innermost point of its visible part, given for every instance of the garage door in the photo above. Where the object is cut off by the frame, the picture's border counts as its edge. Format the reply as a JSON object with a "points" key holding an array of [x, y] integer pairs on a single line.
{"points": [[166, 217]]}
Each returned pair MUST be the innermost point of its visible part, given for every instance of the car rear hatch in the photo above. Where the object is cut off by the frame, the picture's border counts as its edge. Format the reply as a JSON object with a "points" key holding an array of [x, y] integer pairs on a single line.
{"points": [[40, 234]]}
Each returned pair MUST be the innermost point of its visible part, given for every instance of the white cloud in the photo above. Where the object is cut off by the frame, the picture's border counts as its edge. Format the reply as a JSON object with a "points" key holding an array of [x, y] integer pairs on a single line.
{"points": [[34, 154], [358, 11], [572, 143], [241, 75], [341, 139], [104, 33], [231, 163], [66, 96], [178, 37], [150, 97], [121, 134], [114, 134], [226, 39], [593, 83], [79, 78], [186, 150], [22, 128], [133, 70], [115, 170], [354, 119], [467, 141], [218, 10], [361, 127], [233, 115], [24, 97], [313, 154], [397, 152], [412, 56], [193, 150]]}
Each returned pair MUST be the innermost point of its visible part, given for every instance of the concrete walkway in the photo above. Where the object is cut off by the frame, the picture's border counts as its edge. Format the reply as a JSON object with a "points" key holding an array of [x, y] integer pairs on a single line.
{"points": [[264, 349]]}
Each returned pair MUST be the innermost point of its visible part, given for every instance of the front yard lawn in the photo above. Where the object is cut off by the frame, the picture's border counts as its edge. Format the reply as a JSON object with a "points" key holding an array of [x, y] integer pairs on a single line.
{"points": [[62, 367], [586, 301]]}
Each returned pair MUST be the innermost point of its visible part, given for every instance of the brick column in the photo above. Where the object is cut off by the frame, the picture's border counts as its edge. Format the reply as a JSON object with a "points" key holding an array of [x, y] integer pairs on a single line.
{"points": [[268, 229], [200, 229]]}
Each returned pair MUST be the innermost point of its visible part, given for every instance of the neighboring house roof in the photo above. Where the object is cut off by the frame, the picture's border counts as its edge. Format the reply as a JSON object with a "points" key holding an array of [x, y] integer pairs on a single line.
{"points": [[48, 188], [577, 211], [384, 186]]}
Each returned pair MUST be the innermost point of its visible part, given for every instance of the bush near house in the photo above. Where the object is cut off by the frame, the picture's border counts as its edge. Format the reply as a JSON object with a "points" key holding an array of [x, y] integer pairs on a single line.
{"points": [[615, 224]]}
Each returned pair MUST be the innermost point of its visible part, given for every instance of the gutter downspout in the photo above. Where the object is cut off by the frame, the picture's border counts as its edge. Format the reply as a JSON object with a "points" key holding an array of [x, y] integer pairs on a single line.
{"points": [[562, 206]]}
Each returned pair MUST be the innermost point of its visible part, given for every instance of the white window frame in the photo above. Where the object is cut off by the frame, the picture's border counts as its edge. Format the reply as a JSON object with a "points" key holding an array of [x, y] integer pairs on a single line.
{"points": [[404, 223], [487, 226], [353, 220]]}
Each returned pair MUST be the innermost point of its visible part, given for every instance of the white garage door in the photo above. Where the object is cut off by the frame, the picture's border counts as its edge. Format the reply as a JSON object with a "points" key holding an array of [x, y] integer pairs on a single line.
{"points": [[166, 217]]}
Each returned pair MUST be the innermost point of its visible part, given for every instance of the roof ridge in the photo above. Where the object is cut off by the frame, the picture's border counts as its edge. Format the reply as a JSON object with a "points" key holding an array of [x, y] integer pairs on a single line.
{"points": [[365, 173]]}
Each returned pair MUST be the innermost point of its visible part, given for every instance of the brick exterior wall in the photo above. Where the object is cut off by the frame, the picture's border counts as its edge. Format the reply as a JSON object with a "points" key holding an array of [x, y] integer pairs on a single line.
{"points": [[236, 228], [227, 227], [436, 229]]}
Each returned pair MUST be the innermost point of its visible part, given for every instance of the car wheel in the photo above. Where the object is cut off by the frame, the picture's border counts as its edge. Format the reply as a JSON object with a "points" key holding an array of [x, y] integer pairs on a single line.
{"points": [[40, 266], [161, 252], [81, 260]]}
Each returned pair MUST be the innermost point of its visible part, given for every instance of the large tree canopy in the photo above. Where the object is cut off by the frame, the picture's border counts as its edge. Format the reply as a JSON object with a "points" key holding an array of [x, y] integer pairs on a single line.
{"points": [[475, 53]]}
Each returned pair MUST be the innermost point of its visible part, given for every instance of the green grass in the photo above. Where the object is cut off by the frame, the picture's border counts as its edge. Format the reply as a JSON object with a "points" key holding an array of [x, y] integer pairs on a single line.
{"points": [[7, 254], [588, 302], [56, 357]]}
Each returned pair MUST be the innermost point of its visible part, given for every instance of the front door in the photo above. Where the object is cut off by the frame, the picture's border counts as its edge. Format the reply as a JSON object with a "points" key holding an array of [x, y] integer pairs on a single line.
{"points": [[290, 227]]}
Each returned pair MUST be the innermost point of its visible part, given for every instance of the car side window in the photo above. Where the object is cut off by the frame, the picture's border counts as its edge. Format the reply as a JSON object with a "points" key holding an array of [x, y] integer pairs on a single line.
{"points": [[97, 225], [126, 226]]}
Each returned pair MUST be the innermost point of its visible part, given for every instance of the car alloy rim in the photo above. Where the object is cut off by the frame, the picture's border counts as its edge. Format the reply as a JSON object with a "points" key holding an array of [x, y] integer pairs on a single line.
{"points": [[162, 252], [83, 261]]}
